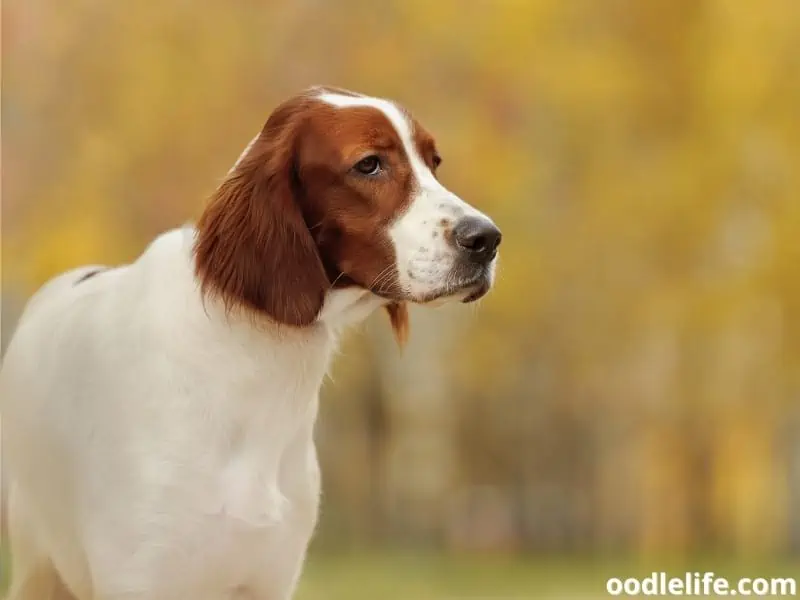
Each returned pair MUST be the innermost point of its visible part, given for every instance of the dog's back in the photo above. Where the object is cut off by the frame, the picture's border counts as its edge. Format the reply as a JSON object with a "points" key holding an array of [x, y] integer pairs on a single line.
{"points": [[39, 320]]}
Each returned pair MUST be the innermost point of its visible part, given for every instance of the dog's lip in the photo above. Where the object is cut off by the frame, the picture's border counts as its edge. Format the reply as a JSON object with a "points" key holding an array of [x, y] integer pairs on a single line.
{"points": [[468, 290], [476, 287], [479, 293]]}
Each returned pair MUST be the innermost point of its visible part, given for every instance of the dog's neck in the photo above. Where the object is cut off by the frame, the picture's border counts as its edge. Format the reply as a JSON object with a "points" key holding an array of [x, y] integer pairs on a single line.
{"points": [[346, 307]]}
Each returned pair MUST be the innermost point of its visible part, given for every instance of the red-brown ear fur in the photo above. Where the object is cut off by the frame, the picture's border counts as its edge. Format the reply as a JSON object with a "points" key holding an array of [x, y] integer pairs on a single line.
{"points": [[254, 248], [398, 316]]}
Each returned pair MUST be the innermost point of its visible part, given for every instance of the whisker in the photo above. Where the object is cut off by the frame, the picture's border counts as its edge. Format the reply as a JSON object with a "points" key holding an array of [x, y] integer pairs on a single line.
{"points": [[381, 278]]}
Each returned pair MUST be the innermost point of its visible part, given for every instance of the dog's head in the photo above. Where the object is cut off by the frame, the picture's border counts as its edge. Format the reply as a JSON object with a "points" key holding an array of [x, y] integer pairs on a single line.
{"points": [[340, 190]]}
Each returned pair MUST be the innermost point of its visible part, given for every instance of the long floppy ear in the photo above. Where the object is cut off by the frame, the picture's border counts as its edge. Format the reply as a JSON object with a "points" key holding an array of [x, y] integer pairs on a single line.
{"points": [[254, 249]]}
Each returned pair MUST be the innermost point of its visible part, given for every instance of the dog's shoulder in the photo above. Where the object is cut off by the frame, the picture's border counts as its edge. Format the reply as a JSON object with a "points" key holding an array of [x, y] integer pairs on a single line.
{"points": [[162, 270]]}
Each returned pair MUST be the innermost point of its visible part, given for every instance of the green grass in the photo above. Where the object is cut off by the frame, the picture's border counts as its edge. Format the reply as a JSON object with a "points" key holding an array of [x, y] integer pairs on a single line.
{"points": [[5, 563], [385, 576], [363, 577], [420, 577]]}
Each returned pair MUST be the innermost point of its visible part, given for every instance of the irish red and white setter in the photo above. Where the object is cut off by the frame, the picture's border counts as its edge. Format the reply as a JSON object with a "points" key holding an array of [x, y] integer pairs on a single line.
{"points": [[158, 416]]}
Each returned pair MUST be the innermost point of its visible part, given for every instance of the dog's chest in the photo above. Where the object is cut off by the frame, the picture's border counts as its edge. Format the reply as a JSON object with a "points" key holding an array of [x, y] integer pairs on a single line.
{"points": [[246, 499], [259, 482], [250, 531]]}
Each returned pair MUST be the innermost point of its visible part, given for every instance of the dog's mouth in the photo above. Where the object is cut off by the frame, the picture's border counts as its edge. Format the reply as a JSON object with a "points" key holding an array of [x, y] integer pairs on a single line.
{"points": [[458, 286], [465, 290], [479, 291]]}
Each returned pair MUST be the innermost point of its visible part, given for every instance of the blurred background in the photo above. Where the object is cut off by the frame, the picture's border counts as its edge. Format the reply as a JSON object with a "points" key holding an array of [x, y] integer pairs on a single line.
{"points": [[629, 394]]}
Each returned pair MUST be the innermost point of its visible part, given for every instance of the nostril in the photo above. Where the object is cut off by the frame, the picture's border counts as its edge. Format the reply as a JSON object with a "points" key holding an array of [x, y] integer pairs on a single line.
{"points": [[476, 244]]}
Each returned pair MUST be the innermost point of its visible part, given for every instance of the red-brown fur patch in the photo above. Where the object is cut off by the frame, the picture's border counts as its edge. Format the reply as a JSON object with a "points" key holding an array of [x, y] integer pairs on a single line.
{"points": [[254, 248]]}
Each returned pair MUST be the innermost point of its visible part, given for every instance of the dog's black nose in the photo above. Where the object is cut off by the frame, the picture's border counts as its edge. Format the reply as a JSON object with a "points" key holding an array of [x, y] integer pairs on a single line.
{"points": [[478, 238]]}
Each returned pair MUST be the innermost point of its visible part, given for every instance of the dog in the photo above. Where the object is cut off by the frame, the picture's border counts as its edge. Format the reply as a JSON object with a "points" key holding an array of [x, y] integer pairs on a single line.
{"points": [[158, 416]]}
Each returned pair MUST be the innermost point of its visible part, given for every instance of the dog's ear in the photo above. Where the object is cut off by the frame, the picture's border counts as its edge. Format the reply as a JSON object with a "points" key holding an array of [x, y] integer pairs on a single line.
{"points": [[253, 248], [398, 316]]}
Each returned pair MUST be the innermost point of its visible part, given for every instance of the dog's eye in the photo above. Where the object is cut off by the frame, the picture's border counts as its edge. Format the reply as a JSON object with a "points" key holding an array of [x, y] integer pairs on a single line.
{"points": [[437, 160], [370, 165]]}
